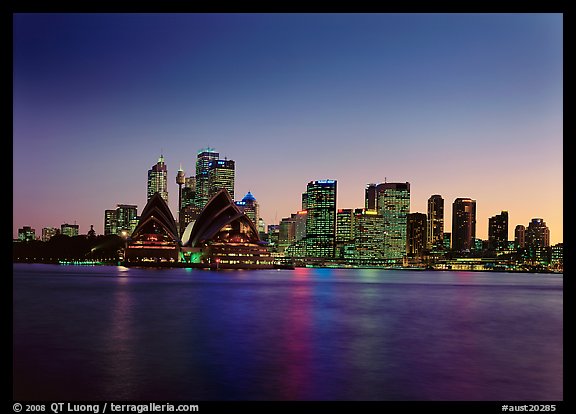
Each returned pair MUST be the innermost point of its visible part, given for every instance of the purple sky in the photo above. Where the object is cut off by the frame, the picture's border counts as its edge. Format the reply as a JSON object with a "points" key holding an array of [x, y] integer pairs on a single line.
{"points": [[461, 105]]}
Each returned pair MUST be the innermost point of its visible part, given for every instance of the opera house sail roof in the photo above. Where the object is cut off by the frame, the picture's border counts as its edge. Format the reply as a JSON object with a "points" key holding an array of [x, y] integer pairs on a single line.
{"points": [[221, 215], [224, 236], [155, 238]]}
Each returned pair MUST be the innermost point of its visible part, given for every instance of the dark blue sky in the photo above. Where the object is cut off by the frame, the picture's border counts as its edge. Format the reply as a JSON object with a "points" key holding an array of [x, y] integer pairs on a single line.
{"points": [[462, 105]]}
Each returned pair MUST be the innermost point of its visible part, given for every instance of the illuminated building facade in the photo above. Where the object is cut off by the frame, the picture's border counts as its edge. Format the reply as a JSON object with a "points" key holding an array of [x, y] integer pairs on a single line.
{"points": [[69, 229], [26, 233], [320, 238], [221, 175], [203, 160], [345, 221], [435, 222], [49, 232], [250, 207], [416, 237], [121, 221], [368, 235], [158, 180], [537, 240], [393, 203], [463, 224], [498, 232]]}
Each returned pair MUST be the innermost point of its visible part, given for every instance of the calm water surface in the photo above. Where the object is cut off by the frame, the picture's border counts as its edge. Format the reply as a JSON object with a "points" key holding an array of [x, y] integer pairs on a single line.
{"points": [[115, 333]]}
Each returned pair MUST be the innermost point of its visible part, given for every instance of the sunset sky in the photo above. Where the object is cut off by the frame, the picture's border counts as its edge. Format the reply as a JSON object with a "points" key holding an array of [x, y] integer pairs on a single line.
{"points": [[461, 105]]}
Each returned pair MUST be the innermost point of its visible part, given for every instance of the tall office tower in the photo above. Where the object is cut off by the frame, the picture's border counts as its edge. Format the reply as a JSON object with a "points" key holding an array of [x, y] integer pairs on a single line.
{"points": [[498, 231], [393, 203], [273, 234], [189, 192], [537, 234], [370, 197], [321, 219], [262, 229], [250, 207], [286, 233], [300, 221], [368, 235], [26, 233], [158, 180], [221, 175], [49, 232], [463, 224], [304, 201], [435, 224], [203, 160], [69, 229], [110, 222], [417, 237], [519, 236], [344, 230], [126, 219]]}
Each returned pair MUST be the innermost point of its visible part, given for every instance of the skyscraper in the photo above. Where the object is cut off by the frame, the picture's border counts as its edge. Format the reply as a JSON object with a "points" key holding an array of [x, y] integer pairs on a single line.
{"points": [[498, 231], [435, 223], [393, 203], [463, 224], [203, 160], [221, 175], [537, 234], [158, 180], [370, 197], [416, 238], [344, 230], [519, 236], [321, 218], [368, 235], [250, 207], [126, 220]]}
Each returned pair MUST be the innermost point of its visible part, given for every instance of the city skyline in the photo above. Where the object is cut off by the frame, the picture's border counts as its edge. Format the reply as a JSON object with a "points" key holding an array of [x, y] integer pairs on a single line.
{"points": [[291, 99]]}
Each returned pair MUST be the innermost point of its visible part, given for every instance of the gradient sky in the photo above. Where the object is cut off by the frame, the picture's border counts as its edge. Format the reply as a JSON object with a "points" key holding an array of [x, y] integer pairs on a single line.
{"points": [[461, 105]]}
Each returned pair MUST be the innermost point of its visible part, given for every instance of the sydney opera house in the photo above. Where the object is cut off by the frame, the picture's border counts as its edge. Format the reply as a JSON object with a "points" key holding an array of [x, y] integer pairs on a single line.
{"points": [[222, 237]]}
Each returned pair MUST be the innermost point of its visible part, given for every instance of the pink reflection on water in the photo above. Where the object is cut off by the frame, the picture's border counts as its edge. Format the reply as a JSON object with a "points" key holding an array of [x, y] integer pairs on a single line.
{"points": [[297, 352]]}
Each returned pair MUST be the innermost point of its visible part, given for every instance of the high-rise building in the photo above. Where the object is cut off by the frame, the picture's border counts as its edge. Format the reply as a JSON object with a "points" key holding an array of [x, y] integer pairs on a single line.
{"points": [[344, 230], [69, 229], [435, 223], [393, 203], [370, 197], [221, 175], [49, 232], [416, 237], [121, 221], [286, 233], [158, 180], [110, 222], [537, 234], [321, 218], [519, 236], [463, 224], [126, 219], [26, 233], [203, 160], [250, 207], [368, 236], [498, 232]]}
